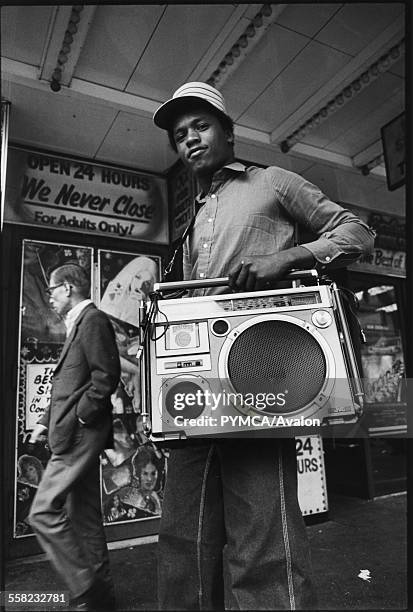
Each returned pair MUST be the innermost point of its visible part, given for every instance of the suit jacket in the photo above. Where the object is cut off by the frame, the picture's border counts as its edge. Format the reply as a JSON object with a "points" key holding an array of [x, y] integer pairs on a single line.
{"points": [[85, 376]]}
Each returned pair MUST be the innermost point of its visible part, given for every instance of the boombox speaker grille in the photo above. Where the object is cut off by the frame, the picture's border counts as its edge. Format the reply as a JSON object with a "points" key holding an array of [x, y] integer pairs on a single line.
{"points": [[276, 356]]}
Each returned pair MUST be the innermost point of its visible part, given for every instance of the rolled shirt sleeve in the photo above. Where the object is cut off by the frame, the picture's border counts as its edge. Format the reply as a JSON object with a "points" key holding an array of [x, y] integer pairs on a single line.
{"points": [[342, 236]]}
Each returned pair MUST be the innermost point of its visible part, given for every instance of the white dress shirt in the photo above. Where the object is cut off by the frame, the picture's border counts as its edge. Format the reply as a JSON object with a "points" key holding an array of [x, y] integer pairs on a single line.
{"points": [[74, 313]]}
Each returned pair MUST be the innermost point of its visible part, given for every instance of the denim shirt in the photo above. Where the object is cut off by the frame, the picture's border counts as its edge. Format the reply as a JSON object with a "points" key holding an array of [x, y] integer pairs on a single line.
{"points": [[254, 211]]}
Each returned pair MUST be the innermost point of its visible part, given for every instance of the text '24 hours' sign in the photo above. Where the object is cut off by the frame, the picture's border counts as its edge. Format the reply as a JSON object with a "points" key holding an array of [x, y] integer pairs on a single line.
{"points": [[74, 195]]}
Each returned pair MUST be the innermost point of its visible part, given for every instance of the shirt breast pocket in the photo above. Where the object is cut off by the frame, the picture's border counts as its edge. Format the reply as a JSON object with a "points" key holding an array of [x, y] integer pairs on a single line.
{"points": [[259, 236]]}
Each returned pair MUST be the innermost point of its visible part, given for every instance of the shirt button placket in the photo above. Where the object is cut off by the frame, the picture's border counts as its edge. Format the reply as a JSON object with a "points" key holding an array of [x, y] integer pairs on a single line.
{"points": [[206, 238]]}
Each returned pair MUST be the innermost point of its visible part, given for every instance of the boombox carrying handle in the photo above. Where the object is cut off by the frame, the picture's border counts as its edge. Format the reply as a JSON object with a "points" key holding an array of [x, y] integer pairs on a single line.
{"points": [[223, 281], [142, 364], [349, 350]]}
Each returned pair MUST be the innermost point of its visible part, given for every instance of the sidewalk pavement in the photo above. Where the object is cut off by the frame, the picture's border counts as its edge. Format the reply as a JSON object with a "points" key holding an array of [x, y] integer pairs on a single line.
{"points": [[369, 535]]}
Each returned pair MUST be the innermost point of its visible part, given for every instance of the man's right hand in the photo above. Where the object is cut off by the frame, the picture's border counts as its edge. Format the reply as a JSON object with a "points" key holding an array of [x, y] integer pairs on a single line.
{"points": [[38, 434]]}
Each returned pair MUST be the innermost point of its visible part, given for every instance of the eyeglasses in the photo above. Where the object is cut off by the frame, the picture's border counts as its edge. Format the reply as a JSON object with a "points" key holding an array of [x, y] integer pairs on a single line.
{"points": [[49, 290]]}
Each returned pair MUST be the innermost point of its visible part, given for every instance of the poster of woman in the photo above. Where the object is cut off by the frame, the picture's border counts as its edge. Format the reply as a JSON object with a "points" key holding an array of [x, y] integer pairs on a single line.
{"points": [[125, 280], [139, 491]]}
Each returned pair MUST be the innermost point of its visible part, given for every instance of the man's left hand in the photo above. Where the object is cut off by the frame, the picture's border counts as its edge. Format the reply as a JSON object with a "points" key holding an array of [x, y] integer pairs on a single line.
{"points": [[261, 271], [38, 434]]}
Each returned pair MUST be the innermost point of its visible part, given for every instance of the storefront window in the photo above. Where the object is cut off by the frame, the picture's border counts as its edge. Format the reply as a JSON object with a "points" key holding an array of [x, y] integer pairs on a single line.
{"points": [[133, 472], [382, 356]]}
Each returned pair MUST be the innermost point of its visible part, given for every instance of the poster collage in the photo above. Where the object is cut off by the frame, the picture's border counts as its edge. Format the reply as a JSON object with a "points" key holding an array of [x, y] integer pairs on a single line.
{"points": [[133, 472]]}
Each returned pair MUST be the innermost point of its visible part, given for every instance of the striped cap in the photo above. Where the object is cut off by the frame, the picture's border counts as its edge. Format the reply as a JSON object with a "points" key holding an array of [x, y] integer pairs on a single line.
{"points": [[183, 97]]}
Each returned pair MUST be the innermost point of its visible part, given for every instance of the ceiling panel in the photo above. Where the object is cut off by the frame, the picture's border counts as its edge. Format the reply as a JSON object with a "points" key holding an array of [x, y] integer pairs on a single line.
{"points": [[233, 29], [178, 43], [357, 24], [307, 73], [44, 119], [277, 48], [136, 142], [116, 41], [23, 32], [307, 19], [366, 130], [357, 122], [268, 156]]}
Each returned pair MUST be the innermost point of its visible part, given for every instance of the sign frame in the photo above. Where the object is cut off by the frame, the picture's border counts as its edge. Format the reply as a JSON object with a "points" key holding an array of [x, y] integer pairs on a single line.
{"points": [[67, 193], [394, 151]]}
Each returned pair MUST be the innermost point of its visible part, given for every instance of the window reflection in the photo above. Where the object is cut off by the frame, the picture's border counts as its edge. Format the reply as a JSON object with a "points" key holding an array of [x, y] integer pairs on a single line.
{"points": [[382, 355]]}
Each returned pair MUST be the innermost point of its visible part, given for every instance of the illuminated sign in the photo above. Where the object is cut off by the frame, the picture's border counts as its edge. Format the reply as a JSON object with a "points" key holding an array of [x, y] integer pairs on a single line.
{"points": [[68, 194]]}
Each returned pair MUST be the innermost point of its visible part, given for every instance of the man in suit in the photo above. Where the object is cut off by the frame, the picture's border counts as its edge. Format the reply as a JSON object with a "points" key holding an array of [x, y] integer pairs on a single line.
{"points": [[66, 514]]}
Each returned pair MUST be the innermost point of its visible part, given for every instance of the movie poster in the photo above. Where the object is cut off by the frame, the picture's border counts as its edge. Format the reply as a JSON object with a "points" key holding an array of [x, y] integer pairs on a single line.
{"points": [[42, 334], [133, 473]]}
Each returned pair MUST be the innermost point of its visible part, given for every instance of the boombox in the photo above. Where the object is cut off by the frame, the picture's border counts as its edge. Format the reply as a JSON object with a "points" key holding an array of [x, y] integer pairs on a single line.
{"points": [[272, 362]]}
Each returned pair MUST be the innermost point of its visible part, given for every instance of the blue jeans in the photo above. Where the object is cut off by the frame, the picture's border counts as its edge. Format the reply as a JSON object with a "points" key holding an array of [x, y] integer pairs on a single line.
{"points": [[243, 494]]}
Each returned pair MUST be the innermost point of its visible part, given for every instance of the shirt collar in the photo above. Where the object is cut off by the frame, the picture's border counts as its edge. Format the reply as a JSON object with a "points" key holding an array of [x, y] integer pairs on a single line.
{"points": [[74, 313], [234, 166]]}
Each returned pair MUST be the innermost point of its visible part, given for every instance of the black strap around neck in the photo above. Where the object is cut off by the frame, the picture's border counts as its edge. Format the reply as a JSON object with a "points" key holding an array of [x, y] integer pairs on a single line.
{"points": [[179, 246]]}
